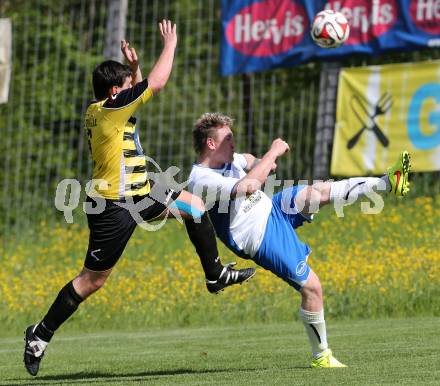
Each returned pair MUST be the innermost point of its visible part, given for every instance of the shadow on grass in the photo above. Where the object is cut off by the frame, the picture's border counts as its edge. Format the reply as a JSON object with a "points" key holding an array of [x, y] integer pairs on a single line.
{"points": [[100, 377]]}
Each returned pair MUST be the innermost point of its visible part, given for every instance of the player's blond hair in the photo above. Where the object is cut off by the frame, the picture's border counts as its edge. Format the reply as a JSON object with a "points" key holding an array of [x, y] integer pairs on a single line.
{"points": [[205, 127]]}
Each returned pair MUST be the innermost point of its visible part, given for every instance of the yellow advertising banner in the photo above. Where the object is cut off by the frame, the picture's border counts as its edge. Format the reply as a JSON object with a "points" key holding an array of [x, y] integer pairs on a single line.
{"points": [[382, 110]]}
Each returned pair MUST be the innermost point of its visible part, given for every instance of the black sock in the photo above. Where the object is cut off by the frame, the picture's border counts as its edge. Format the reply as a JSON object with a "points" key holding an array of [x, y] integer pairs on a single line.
{"points": [[62, 308], [203, 238]]}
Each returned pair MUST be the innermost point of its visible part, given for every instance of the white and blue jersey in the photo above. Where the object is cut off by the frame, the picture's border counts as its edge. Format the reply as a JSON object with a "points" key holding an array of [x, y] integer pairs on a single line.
{"points": [[254, 226]]}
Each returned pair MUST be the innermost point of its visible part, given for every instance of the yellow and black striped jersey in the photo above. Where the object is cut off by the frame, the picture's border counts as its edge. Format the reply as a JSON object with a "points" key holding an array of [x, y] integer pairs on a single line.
{"points": [[117, 155]]}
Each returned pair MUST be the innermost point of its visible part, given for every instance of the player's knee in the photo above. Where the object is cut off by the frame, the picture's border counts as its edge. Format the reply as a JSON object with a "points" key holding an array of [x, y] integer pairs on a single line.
{"points": [[308, 200], [91, 282], [314, 200], [97, 283], [312, 289]]}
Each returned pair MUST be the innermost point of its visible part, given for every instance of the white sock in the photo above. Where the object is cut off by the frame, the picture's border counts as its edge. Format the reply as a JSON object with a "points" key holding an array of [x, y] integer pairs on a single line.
{"points": [[314, 324], [350, 189]]}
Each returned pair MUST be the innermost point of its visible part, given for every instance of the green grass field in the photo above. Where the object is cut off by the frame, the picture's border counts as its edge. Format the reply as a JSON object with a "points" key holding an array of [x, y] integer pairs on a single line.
{"points": [[379, 352], [381, 280], [370, 267]]}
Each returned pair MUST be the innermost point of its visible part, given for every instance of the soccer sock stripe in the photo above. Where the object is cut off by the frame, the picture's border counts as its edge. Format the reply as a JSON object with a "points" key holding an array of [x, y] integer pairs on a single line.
{"points": [[316, 332], [314, 324], [350, 189], [353, 188]]}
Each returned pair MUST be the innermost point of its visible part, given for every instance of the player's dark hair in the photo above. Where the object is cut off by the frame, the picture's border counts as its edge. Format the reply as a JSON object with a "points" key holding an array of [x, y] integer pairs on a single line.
{"points": [[205, 127], [108, 74]]}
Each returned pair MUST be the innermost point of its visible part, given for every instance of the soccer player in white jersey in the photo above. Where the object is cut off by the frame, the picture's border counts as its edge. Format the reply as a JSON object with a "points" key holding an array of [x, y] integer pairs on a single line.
{"points": [[263, 229]]}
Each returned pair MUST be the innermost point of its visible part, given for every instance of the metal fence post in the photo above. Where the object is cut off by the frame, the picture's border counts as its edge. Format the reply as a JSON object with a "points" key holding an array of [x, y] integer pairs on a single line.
{"points": [[115, 29], [328, 86]]}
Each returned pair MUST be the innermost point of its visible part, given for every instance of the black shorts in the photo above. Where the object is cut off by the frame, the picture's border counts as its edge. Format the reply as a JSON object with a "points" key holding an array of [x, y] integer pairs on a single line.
{"points": [[111, 229]]}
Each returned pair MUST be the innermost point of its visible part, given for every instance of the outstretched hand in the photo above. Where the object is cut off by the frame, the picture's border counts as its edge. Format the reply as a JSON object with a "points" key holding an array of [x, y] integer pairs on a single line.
{"points": [[168, 32], [129, 54]]}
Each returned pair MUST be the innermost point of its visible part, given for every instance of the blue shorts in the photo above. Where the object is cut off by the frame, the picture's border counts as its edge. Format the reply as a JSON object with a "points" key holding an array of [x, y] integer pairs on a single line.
{"points": [[281, 251]]}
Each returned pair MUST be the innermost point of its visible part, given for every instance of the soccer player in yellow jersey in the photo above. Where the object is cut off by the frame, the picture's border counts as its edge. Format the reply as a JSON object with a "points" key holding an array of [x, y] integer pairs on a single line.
{"points": [[121, 185]]}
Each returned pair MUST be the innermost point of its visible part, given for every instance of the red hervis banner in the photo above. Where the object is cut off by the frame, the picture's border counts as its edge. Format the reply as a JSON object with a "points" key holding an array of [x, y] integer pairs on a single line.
{"points": [[263, 34]]}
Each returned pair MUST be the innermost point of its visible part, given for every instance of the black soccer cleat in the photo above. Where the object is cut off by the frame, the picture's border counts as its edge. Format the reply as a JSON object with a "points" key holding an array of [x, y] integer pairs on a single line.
{"points": [[34, 349], [229, 277]]}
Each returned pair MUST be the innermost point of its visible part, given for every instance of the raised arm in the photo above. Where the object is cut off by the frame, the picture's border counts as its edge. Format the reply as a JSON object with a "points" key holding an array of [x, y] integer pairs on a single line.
{"points": [[251, 161], [258, 174], [161, 71]]}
